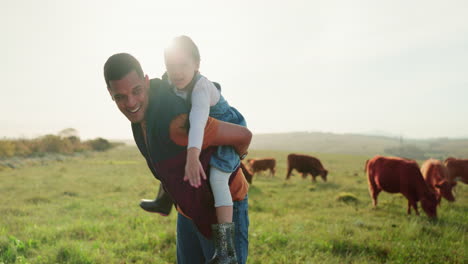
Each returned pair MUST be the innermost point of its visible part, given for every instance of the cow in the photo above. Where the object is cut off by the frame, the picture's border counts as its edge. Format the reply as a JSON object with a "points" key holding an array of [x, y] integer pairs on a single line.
{"points": [[248, 174], [397, 175], [457, 170], [306, 164], [436, 174], [257, 165]]}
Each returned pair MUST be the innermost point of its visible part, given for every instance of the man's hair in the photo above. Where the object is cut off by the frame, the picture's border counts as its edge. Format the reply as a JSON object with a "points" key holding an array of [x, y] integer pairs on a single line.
{"points": [[119, 65], [185, 43]]}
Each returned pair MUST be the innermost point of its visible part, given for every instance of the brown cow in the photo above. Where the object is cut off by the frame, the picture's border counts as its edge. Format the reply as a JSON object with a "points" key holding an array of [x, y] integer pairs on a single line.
{"points": [[436, 174], [257, 165], [457, 170], [306, 164], [397, 175], [248, 174]]}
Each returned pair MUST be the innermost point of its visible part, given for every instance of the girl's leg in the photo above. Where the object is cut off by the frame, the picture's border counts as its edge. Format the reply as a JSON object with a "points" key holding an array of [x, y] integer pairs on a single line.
{"points": [[224, 230], [162, 204], [219, 181], [224, 214]]}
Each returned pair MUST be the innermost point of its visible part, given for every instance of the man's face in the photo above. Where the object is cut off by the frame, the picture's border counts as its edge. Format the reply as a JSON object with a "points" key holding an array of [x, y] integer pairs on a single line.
{"points": [[131, 96], [180, 67]]}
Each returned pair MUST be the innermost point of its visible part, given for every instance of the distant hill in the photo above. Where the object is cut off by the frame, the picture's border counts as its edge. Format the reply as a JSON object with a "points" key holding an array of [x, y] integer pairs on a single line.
{"points": [[357, 144]]}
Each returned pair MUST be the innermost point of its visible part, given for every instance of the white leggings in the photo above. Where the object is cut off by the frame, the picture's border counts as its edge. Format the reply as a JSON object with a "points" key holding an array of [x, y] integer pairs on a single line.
{"points": [[219, 181]]}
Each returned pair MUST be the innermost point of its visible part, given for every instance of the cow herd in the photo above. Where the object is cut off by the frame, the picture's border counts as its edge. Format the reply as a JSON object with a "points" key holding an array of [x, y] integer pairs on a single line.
{"points": [[429, 184], [304, 164]]}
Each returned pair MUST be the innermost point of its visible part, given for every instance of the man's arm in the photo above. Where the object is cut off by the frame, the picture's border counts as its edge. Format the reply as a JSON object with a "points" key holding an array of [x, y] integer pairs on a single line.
{"points": [[234, 135], [217, 133]]}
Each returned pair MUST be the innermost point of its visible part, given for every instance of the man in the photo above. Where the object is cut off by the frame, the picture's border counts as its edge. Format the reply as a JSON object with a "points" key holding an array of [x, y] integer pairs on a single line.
{"points": [[158, 120]]}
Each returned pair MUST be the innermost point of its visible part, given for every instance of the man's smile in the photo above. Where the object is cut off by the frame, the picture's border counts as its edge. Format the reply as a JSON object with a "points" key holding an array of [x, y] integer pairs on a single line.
{"points": [[134, 110]]}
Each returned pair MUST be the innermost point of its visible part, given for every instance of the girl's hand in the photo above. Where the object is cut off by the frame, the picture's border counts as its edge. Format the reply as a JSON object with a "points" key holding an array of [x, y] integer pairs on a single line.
{"points": [[193, 168]]}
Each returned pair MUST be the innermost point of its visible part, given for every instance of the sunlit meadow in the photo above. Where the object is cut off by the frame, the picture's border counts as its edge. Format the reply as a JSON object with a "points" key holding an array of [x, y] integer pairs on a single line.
{"points": [[85, 210]]}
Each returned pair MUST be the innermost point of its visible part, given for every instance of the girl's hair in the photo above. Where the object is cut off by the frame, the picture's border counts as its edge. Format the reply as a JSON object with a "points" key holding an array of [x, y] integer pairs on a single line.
{"points": [[185, 43]]}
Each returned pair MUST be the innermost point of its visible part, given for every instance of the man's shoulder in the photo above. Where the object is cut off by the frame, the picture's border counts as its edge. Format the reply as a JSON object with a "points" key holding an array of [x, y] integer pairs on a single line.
{"points": [[163, 103], [160, 87], [156, 83]]}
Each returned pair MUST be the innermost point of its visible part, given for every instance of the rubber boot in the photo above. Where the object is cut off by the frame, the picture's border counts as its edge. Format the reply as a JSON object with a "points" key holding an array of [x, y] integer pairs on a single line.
{"points": [[161, 205], [225, 251]]}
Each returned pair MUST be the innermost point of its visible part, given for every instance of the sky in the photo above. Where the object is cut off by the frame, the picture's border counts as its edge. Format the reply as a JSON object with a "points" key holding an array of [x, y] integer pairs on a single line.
{"points": [[393, 67]]}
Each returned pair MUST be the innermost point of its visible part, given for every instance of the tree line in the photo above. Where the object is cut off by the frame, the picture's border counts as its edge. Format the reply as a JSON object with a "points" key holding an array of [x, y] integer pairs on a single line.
{"points": [[66, 141]]}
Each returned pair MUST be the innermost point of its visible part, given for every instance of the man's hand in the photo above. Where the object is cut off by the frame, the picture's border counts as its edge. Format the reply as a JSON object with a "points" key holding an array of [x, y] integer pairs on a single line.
{"points": [[193, 168]]}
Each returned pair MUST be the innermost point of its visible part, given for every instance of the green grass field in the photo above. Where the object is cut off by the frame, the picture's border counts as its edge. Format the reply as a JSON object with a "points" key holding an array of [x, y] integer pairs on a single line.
{"points": [[85, 210]]}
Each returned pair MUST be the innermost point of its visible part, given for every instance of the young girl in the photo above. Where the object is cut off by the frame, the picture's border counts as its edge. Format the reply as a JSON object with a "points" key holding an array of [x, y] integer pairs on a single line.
{"points": [[182, 60]]}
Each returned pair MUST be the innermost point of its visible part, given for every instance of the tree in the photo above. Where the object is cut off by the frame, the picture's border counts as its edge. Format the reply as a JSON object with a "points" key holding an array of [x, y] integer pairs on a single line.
{"points": [[99, 144], [68, 132]]}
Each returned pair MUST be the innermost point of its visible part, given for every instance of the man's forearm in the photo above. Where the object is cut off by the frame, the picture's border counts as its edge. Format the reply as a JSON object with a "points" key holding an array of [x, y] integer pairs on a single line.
{"points": [[233, 135], [217, 133]]}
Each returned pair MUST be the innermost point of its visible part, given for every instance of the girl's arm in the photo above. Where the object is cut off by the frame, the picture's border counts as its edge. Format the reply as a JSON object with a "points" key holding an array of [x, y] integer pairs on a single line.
{"points": [[202, 97]]}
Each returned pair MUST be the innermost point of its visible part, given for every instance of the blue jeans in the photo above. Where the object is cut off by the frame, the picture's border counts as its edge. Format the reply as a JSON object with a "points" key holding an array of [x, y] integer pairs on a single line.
{"points": [[194, 248], [226, 158]]}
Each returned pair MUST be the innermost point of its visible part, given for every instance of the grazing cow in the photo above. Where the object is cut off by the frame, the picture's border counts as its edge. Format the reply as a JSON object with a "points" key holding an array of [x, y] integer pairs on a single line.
{"points": [[397, 175], [457, 170], [436, 174], [306, 164], [257, 165], [248, 174]]}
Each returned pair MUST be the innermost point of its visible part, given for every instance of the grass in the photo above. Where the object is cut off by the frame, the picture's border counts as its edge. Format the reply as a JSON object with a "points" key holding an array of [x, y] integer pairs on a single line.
{"points": [[85, 210]]}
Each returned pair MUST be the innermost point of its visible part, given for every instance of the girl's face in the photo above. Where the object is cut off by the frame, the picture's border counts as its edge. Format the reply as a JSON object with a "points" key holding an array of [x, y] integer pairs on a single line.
{"points": [[180, 67]]}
